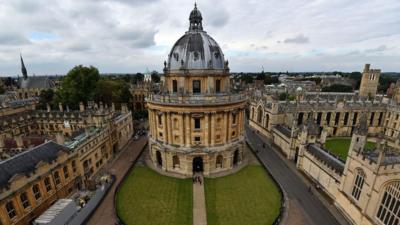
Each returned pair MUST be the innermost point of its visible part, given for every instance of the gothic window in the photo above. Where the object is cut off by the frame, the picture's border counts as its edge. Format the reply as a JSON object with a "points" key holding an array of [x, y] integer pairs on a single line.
{"points": [[65, 170], [57, 178], [174, 86], [388, 212], [196, 86], [218, 86], [380, 119], [371, 119], [175, 162], [36, 191], [11, 210], [24, 200], [266, 120], [358, 184], [319, 116], [218, 163], [355, 118], [259, 115]]}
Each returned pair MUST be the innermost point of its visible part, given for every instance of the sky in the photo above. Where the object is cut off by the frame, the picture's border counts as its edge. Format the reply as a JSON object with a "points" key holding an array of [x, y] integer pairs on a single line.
{"points": [[128, 36]]}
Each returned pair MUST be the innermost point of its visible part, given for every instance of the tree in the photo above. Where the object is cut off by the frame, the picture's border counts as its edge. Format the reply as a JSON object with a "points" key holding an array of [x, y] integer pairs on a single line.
{"points": [[46, 97], [139, 77], [337, 88], [78, 85], [155, 77], [247, 78], [2, 90]]}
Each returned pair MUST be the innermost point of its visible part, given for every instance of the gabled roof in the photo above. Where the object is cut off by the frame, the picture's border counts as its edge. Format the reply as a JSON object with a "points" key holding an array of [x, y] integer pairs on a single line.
{"points": [[42, 82], [26, 162]]}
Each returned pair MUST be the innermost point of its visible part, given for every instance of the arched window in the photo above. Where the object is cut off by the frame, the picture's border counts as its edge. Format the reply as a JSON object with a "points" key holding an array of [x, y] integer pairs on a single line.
{"points": [[259, 115], [358, 184], [159, 158], [266, 120], [300, 118], [174, 86], [388, 212], [175, 162], [218, 162], [252, 113]]}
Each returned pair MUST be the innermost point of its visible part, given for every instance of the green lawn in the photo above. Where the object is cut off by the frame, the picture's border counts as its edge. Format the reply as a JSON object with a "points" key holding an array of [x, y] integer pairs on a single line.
{"points": [[247, 197], [340, 146], [148, 198]]}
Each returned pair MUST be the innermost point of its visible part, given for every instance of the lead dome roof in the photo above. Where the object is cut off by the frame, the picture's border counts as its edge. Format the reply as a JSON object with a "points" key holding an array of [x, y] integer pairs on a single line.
{"points": [[196, 49]]}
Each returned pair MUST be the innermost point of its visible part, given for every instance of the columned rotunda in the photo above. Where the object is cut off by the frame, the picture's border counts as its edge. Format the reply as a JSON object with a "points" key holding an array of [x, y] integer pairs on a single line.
{"points": [[197, 120]]}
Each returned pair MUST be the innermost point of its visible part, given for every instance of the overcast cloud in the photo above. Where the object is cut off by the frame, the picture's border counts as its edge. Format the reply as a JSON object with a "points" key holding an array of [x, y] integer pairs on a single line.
{"points": [[128, 36]]}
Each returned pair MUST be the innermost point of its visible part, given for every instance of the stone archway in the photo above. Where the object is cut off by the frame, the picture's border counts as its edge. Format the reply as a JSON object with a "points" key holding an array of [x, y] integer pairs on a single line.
{"points": [[159, 158], [198, 164]]}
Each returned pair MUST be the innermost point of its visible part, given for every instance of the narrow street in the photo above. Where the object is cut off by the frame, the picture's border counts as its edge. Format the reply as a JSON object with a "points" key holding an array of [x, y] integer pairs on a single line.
{"points": [[308, 209], [104, 214]]}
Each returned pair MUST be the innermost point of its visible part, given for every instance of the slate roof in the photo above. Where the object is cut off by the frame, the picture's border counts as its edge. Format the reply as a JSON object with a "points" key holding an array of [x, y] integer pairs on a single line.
{"points": [[325, 157], [36, 82], [284, 130], [26, 162]]}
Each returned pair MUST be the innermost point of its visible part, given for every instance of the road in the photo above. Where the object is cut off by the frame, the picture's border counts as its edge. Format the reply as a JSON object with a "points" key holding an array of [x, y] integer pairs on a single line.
{"points": [[301, 201], [104, 214]]}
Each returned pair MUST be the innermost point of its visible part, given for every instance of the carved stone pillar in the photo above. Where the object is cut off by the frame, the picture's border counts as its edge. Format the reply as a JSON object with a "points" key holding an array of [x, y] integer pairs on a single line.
{"points": [[188, 121]]}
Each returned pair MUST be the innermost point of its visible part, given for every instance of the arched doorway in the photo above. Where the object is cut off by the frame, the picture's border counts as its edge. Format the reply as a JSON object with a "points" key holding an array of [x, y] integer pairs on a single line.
{"points": [[159, 158], [235, 157], [175, 162], [198, 164], [218, 163]]}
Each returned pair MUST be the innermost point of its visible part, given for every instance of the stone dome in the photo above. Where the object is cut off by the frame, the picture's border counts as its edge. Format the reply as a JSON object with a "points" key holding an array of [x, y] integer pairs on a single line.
{"points": [[196, 49]]}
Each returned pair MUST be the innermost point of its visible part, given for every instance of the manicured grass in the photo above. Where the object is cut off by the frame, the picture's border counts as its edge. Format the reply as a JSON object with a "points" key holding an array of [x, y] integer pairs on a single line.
{"points": [[247, 197], [340, 146], [148, 198]]}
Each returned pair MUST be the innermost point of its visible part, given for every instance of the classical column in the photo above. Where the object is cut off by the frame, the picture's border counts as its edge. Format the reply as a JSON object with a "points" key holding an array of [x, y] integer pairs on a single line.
{"points": [[182, 128], [212, 126], [164, 118], [169, 122], [226, 126], [206, 129], [188, 121]]}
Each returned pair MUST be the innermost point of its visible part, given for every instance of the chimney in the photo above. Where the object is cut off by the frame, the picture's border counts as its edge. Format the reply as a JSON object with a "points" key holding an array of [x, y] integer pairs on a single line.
{"points": [[2, 144], [81, 107], [60, 106], [60, 138], [124, 108], [19, 141], [48, 107], [112, 106]]}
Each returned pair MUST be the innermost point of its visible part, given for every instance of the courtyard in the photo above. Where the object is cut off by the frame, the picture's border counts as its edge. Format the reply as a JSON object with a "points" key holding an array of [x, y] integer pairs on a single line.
{"points": [[247, 197], [340, 146], [147, 198]]}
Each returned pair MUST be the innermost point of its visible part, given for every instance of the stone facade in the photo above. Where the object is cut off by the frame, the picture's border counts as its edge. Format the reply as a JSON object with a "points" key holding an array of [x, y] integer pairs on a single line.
{"points": [[197, 120]]}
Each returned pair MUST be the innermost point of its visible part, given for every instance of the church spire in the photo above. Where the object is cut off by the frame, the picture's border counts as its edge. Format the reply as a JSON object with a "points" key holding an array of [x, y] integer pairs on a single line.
{"points": [[23, 68], [195, 19]]}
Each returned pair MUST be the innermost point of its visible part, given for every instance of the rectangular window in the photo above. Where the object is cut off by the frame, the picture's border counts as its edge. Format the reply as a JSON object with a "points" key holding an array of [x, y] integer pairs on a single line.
{"points": [[196, 86], [24, 200], [337, 116], [371, 119], [233, 118], [197, 139], [73, 164], [355, 118], [174, 86], [197, 123], [36, 191], [47, 184], [57, 178], [218, 86], [10, 210], [328, 118], [160, 120], [65, 170], [346, 118]]}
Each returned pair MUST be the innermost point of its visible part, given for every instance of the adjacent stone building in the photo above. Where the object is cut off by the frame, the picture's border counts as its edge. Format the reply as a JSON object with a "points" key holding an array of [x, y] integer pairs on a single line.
{"points": [[369, 81], [197, 120]]}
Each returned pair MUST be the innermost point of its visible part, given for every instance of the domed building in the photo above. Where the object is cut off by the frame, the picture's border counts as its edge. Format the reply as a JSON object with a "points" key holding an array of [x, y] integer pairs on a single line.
{"points": [[197, 120]]}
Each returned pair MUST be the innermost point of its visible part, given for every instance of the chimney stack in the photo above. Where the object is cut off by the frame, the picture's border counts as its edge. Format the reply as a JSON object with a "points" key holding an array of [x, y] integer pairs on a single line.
{"points": [[113, 107], [48, 107], [60, 138], [60, 106], [81, 107], [19, 141]]}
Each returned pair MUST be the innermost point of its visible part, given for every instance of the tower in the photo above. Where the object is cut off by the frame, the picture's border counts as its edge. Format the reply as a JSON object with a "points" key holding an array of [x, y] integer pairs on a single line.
{"points": [[369, 81], [23, 68], [196, 121]]}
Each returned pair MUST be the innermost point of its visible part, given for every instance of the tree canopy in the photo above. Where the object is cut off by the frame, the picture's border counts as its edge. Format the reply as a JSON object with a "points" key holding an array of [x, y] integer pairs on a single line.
{"points": [[337, 88]]}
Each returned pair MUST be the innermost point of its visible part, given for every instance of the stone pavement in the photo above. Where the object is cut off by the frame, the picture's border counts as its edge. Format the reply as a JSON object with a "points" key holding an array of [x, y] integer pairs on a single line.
{"points": [[199, 203], [104, 214], [303, 206]]}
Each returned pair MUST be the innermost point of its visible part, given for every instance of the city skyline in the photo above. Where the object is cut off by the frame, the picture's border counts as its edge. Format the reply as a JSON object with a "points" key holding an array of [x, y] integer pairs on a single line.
{"points": [[129, 36]]}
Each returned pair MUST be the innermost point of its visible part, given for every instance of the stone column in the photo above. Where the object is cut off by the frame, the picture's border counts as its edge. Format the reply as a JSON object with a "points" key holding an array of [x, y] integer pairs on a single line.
{"points": [[165, 134], [188, 121], [212, 127], [182, 129], [226, 127], [206, 129], [169, 127]]}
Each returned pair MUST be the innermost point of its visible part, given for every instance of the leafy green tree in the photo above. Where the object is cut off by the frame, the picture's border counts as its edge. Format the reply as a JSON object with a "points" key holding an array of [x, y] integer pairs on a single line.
{"points": [[337, 88], [155, 77], [46, 97], [247, 78], [78, 85], [2, 90]]}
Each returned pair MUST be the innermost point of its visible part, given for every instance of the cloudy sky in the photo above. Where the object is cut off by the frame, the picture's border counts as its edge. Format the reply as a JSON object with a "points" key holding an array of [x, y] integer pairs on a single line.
{"points": [[132, 35]]}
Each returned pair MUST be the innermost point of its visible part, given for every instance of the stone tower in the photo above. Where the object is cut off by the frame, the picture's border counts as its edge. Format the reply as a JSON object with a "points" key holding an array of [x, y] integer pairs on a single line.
{"points": [[369, 81]]}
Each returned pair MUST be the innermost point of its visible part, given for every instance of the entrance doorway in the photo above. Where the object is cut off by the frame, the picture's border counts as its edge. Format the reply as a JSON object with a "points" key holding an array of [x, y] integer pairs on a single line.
{"points": [[198, 164], [159, 159], [235, 157]]}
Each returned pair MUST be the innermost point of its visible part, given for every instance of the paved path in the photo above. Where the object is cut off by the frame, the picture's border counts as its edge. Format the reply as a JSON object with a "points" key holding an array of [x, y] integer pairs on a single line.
{"points": [[199, 204], [303, 205], [104, 214]]}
